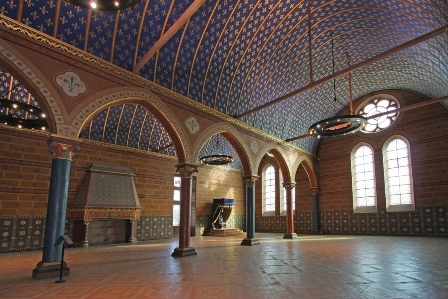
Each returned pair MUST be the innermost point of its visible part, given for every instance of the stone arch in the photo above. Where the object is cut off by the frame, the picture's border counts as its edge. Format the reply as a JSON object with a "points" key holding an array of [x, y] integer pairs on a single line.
{"points": [[279, 155], [307, 164], [232, 135], [37, 84], [137, 96]]}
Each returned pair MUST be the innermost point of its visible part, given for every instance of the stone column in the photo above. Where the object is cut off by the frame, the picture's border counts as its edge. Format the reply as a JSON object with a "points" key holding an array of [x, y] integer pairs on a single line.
{"points": [[316, 218], [289, 212], [131, 237], [85, 243], [250, 211], [62, 150], [186, 171]]}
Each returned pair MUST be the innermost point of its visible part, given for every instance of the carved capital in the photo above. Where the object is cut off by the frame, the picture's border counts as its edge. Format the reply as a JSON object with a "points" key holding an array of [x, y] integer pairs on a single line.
{"points": [[315, 191], [289, 186], [186, 170], [250, 180], [62, 148]]}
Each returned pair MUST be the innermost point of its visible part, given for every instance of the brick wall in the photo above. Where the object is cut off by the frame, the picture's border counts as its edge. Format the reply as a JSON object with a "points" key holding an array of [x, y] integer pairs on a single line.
{"points": [[25, 167], [426, 130]]}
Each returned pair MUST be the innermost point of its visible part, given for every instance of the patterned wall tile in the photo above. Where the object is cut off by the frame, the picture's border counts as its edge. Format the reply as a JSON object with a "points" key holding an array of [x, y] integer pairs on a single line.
{"points": [[441, 220], [308, 222], [373, 223], [382, 221], [38, 231], [404, 223], [416, 222], [354, 223], [337, 222], [21, 236], [363, 224], [329, 224], [345, 222], [393, 222], [428, 216], [6, 228]]}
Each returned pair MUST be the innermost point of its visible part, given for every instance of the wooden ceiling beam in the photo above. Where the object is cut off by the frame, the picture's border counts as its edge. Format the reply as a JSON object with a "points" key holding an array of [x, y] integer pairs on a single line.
{"points": [[352, 68], [191, 10]]}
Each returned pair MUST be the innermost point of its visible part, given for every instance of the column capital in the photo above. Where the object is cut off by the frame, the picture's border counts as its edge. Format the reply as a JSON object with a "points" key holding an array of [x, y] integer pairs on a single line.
{"points": [[315, 191], [186, 170], [61, 147], [289, 186], [250, 180]]}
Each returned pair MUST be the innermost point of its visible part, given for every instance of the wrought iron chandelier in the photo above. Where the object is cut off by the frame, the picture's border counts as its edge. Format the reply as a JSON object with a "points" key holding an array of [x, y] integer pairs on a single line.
{"points": [[38, 121], [104, 4], [216, 159], [339, 125]]}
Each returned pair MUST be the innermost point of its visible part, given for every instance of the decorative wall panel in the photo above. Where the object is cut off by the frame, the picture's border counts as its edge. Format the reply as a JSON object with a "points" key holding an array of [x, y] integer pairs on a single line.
{"points": [[424, 221], [21, 233]]}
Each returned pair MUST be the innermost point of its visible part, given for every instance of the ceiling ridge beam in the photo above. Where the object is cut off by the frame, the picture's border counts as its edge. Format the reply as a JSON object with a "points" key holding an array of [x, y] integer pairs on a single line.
{"points": [[191, 10], [352, 68]]}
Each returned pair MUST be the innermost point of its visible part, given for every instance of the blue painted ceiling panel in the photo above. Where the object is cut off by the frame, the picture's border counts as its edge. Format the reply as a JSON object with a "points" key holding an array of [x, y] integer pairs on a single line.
{"points": [[234, 55]]}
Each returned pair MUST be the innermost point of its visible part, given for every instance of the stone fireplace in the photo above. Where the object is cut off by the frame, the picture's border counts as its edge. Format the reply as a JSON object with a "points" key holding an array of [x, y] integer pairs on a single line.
{"points": [[106, 207]]}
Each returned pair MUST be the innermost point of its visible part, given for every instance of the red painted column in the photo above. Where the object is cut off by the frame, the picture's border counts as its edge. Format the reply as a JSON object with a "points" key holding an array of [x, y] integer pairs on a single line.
{"points": [[186, 171], [289, 212]]}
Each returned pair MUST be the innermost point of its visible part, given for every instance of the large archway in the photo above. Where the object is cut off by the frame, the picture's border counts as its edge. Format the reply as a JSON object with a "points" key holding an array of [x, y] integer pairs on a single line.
{"points": [[145, 99]]}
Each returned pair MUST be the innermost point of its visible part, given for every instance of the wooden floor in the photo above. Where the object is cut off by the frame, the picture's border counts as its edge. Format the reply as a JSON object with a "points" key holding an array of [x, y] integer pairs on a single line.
{"points": [[321, 266]]}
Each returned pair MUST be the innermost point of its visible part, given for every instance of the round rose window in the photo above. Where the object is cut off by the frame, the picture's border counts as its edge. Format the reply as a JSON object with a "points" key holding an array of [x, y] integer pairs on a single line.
{"points": [[379, 105]]}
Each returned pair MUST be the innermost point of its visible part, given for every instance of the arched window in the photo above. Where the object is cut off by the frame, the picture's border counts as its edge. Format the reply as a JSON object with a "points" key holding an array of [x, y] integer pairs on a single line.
{"points": [[363, 179], [398, 175], [269, 190]]}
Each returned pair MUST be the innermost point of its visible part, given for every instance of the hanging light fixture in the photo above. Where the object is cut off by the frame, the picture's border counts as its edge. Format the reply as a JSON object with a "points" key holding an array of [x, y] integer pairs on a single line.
{"points": [[101, 5], [39, 122], [216, 159], [338, 125]]}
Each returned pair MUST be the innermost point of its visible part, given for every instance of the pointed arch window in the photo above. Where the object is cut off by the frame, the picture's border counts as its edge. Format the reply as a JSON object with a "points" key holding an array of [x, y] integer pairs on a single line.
{"points": [[398, 175], [269, 186], [363, 179]]}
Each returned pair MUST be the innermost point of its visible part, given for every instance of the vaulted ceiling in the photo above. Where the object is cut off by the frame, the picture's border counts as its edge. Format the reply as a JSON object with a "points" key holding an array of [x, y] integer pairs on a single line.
{"points": [[234, 56]]}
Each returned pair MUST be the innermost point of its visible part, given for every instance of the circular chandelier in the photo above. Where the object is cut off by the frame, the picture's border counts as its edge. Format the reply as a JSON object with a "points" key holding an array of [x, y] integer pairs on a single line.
{"points": [[339, 125], [216, 159], [39, 121], [104, 4]]}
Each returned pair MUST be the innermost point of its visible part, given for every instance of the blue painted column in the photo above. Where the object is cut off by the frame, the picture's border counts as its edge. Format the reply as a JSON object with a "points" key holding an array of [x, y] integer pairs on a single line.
{"points": [[62, 150], [316, 219], [289, 212], [186, 171], [250, 211]]}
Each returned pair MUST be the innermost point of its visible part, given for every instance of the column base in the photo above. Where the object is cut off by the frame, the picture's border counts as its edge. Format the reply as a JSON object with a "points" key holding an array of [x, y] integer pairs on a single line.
{"points": [[180, 252], [249, 242], [290, 236], [50, 270]]}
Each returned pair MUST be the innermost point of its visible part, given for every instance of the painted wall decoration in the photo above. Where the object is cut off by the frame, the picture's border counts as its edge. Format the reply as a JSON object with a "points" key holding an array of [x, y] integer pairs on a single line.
{"points": [[192, 124], [71, 84], [254, 146]]}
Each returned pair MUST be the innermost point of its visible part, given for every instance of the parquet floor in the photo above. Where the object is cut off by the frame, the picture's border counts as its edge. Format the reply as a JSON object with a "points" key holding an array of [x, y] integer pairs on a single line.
{"points": [[322, 266]]}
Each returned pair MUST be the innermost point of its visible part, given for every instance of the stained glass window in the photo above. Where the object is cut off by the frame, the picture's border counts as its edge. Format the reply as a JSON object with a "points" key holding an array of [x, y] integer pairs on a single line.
{"points": [[379, 105], [397, 175], [269, 189], [363, 173]]}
